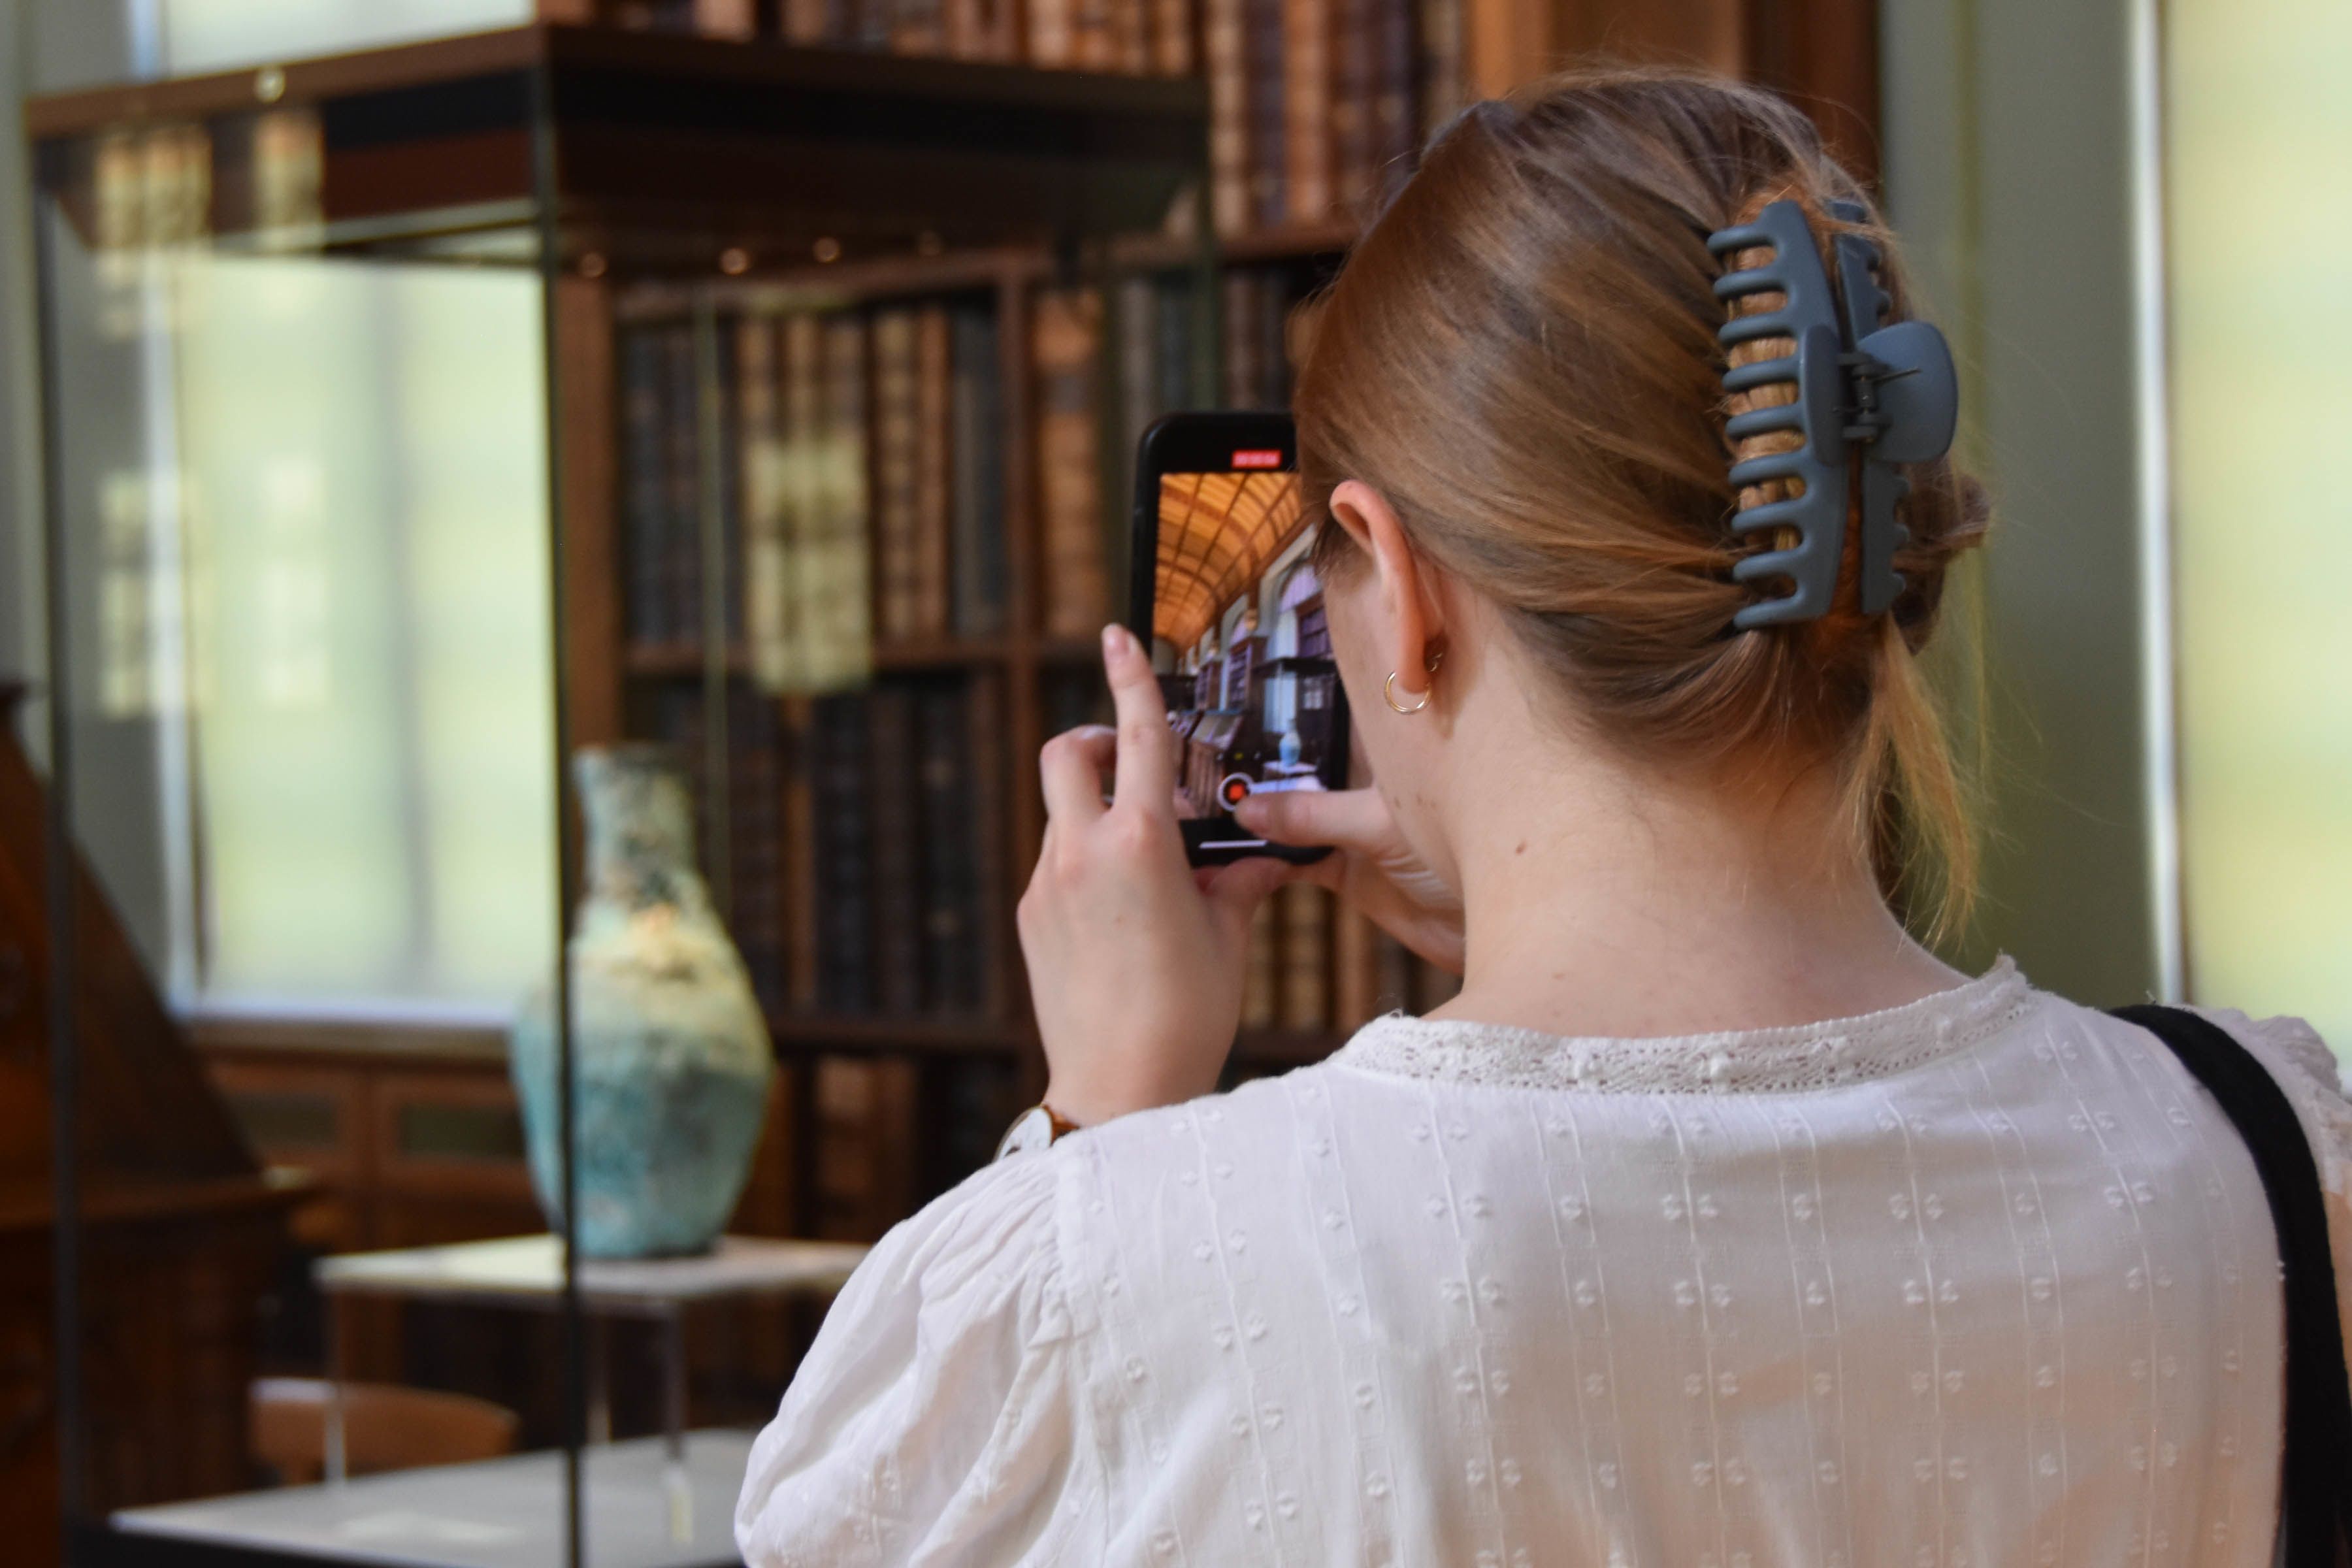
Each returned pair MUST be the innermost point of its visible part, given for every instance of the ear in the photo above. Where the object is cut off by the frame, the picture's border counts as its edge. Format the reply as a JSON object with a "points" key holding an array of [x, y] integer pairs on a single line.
{"points": [[1411, 617]]}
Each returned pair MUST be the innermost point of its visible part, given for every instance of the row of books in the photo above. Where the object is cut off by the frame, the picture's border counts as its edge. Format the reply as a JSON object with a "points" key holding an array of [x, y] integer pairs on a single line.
{"points": [[860, 859], [1313, 968], [848, 469], [1316, 107]]}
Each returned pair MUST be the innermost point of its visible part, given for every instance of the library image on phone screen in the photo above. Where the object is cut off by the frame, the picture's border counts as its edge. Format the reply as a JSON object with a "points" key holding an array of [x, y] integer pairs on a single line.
{"points": [[1239, 641]]}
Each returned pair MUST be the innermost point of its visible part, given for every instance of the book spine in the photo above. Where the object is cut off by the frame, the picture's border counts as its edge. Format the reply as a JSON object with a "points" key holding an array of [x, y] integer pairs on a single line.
{"points": [[844, 910], [1307, 110], [1443, 90], [781, 664], [729, 563], [871, 21], [1261, 969], [682, 489], [755, 845], [1068, 326], [977, 444], [1244, 376], [1396, 129], [917, 27], [839, 609], [761, 443], [1173, 356], [1355, 981], [1139, 369], [1129, 25], [894, 417], [725, 18], [1224, 41], [1353, 86], [1171, 37], [1271, 318], [645, 484], [950, 829], [895, 823], [934, 375], [798, 821], [1052, 37], [990, 902], [1305, 957], [864, 1118], [806, 21], [1268, 143], [1094, 35]]}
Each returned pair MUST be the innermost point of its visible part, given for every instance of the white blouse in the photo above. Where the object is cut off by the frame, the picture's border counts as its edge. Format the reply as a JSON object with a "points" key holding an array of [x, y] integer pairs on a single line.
{"points": [[1985, 1279]]}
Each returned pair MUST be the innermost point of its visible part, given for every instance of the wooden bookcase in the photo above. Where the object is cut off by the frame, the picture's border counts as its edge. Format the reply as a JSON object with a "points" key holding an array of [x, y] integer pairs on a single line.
{"points": [[696, 173]]}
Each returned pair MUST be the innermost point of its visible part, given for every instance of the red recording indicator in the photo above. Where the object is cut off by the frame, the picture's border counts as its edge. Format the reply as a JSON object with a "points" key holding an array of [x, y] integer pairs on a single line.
{"points": [[1257, 458]]}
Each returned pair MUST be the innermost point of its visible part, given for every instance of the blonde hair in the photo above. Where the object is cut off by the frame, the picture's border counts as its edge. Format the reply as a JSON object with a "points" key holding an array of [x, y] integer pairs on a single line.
{"points": [[1521, 357]]}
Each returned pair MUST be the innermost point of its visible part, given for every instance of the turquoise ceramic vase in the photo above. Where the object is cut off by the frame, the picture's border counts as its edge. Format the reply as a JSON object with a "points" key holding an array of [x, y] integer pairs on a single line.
{"points": [[670, 1058]]}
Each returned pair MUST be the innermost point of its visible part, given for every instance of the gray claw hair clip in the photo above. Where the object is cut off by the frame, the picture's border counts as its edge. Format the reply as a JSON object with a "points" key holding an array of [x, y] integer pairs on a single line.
{"points": [[1887, 389]]}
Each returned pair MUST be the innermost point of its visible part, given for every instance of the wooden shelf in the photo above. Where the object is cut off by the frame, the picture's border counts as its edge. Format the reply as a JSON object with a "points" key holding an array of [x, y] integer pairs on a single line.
{"points": [[683, 662], [669, 147], [1286, 1047], [878, 1034]]}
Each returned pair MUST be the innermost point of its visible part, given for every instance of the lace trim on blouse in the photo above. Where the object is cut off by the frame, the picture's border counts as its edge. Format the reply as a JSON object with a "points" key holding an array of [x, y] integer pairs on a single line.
{"points": [[1751, 1061]]}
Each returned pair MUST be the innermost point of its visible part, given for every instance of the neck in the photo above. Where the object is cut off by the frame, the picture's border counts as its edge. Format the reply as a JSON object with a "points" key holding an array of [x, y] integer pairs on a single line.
{"points": [[1619, 903]]}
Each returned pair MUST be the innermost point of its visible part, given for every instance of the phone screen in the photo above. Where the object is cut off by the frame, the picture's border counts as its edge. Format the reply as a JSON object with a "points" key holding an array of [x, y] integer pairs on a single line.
{"points": [[1241, 644]]}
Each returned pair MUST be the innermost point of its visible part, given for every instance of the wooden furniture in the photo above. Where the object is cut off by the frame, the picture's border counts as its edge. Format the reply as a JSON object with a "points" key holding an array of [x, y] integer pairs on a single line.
{"points": [[497, 1513], [179, 1226], [526, 1272], [384, 1427]]}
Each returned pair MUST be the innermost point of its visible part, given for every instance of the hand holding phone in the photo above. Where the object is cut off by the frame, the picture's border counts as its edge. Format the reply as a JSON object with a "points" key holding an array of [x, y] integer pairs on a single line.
{"points": [[1226, 598], [1134, 957]]}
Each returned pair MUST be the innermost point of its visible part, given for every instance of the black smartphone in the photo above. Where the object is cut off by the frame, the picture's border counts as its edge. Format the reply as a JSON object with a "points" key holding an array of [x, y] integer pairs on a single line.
{"points": [[1223, 593]]}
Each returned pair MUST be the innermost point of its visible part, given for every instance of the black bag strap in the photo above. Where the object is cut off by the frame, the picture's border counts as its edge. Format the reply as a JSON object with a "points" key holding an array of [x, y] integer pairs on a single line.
{"points": [[2316, 1468]]}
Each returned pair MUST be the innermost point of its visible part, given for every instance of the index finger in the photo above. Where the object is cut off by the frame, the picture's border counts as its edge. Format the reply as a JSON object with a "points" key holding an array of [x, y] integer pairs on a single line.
{"points": [[1144, 777]]}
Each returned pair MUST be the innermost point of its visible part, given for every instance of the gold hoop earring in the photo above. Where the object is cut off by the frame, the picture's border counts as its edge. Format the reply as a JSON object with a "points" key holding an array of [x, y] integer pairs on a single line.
{"points": [[1388, 693]]}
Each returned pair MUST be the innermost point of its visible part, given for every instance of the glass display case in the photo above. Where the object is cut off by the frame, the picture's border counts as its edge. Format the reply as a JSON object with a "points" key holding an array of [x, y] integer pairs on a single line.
{"points": [[560, 490]]}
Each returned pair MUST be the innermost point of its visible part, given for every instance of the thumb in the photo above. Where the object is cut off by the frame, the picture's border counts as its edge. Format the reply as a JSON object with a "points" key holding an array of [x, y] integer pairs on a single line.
{"points": [[1235, 891], [1350, 819]]}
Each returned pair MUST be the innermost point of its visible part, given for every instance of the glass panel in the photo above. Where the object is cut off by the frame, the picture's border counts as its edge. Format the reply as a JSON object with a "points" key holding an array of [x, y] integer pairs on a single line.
{"points": [[222, 35], [2260, 219]]}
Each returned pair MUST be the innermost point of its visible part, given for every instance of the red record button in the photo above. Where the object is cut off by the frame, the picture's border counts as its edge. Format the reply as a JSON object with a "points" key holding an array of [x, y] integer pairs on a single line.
{"points": [[1233, 790]]}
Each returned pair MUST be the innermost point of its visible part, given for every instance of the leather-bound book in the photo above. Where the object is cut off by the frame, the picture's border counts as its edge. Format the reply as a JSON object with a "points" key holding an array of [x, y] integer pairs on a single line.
{"points": [[1262, 27], [896, 824], [1052, 32], [842, 790], [976, 447], [797, 827], [934, 421], [917, 27], [1224, 43], [1443, 87], [1067, 330], [951, 833], [1171, 49], [837, 614], [896, 418], [1305, 914], [682, 547], [1261, 968], [763, 452], [1307, 110], [1353, 86], [1396, 127], [986, 812], [644, 486]]}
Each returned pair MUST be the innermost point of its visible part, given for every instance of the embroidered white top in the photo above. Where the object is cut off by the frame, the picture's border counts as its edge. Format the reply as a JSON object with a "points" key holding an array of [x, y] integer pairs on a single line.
{"points": [[1985, 1279]]}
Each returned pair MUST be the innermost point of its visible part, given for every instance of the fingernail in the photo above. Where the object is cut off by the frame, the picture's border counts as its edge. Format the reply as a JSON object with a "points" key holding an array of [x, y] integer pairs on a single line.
{"points": [[1114, 641]]}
